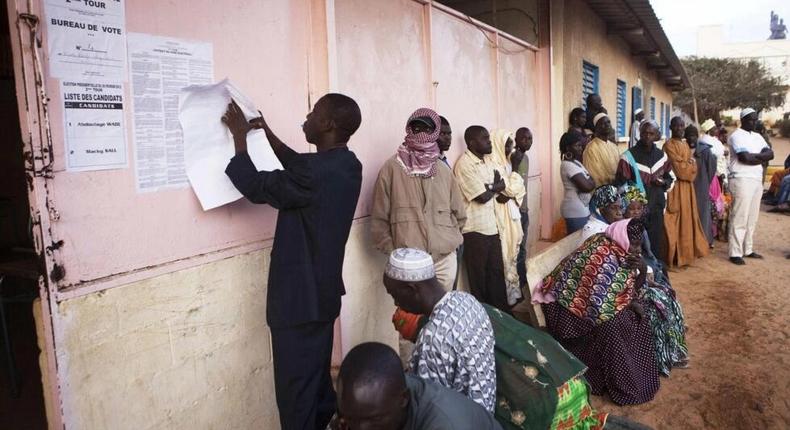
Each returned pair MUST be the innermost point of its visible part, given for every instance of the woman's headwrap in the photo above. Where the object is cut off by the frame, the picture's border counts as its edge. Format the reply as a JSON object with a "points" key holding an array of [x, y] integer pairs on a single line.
{"points": [[419, 152], [707, 125], [618, 232], [602, 196], [632, 193], [499, 138]]}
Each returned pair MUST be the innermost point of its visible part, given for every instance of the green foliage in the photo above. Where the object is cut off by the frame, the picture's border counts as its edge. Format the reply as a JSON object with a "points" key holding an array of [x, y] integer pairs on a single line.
{"points": [[723, 83]]}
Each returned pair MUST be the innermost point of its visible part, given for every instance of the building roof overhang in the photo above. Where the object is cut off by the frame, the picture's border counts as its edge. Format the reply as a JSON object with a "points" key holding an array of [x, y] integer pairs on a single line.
{"points": [[636, 23]]}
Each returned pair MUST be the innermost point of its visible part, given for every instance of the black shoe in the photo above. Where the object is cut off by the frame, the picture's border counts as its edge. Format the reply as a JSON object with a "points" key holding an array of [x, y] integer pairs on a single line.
{"points": [[755, 255], [737, 260]]}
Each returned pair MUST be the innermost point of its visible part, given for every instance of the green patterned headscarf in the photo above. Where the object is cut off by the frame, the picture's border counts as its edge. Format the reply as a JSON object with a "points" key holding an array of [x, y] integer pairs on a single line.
{"points": [[633, 194]]}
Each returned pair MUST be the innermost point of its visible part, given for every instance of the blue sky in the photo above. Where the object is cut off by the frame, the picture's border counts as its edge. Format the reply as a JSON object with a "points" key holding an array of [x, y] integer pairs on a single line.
{"points": [[741, 21]]}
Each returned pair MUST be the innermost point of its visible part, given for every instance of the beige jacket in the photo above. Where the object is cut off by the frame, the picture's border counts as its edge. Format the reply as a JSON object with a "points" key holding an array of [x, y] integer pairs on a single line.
{"points": [[415, 212]]}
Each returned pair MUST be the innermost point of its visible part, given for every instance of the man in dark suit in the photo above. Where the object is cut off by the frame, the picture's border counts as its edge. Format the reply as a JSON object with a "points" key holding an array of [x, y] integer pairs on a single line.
{"points": [[316, 195]]}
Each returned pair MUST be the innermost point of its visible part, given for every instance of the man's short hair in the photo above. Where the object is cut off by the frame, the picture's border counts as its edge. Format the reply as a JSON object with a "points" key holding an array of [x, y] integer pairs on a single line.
{"points": [[567, 140], [443, 120], [473, 132], [371, 363], [523, 130], [345, 113], [590, 96], [674, 120], [575, 112]]}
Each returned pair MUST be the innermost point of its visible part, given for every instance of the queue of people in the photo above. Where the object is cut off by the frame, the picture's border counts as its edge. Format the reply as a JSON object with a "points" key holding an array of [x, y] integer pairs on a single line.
{"points": [[614, 323]]}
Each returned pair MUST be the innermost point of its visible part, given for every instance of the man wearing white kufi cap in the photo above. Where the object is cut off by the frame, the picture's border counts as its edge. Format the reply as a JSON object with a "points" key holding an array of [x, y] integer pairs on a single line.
{"points": [[455, 348], [746, 185], [639, 116], [710, 136], [601, 156]]}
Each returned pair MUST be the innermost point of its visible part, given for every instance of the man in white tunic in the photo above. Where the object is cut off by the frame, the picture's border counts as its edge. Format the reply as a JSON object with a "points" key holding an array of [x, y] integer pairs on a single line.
{"points": [[750, 150]]}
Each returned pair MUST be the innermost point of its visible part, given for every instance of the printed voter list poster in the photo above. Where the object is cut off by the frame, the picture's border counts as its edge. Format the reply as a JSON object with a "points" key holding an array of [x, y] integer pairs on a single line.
{"points": [[161, 67], [94, 125], [86, 39]]}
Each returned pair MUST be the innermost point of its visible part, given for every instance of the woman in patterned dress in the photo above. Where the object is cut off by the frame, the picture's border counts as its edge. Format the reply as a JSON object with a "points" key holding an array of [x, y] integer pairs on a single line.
{"points": [[592, 307], [663, 309]]}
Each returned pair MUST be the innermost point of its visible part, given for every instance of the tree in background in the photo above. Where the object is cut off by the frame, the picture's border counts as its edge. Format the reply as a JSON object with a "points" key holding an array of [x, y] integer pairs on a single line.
{"points": [[724, 83]]}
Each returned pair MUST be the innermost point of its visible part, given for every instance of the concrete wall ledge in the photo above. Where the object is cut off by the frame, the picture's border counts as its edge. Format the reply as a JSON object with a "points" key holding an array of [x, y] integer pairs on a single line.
{"points": [[546, 260]]}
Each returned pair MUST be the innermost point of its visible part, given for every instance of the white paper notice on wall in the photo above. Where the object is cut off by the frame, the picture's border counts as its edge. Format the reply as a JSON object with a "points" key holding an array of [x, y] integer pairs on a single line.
{"points": [[86, 39], [160, 67], [94, 125], [208, 144]]}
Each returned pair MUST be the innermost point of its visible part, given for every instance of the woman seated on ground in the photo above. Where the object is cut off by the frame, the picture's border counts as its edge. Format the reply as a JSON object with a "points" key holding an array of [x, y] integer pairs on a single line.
{"points": [[592, 307], [663, 309], [606, 207], [576, 181]]}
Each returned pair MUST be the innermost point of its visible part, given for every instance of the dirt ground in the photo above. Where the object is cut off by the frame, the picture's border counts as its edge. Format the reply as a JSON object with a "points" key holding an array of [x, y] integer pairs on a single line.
{"points": [[738, 338]]}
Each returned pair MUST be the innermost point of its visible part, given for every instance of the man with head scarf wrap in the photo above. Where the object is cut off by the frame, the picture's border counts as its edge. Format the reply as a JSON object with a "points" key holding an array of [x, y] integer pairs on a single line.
{"points": [[647, 167], [416, 200], [601, 156], [508, 215]]}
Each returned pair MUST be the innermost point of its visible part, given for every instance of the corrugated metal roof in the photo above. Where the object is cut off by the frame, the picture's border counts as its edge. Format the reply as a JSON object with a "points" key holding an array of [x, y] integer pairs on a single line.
{"points": [[636, 23]]}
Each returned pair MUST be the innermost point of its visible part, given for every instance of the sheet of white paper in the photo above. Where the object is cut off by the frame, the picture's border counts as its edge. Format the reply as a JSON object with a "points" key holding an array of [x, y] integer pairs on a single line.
{"points": [[86, 39], [208, 144], [160, 67]]}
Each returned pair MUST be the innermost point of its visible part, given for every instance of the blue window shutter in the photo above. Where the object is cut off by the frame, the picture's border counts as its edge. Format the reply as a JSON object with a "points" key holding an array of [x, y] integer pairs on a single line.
{"points": [[636, 98], [621, 108], [652, 108], [589, 81]]}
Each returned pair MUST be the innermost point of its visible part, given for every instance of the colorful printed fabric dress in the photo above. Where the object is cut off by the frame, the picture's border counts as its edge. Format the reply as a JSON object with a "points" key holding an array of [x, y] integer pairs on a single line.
{"points": [[667, 324], [590, 318]]}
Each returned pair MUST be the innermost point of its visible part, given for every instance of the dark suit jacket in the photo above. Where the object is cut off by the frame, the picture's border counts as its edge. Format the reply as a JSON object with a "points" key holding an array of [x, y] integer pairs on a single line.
{"points": [[316, 195]]}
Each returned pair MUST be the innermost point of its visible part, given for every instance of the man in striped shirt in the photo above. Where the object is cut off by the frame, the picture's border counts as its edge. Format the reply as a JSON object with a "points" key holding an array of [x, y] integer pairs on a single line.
{"points": [[647, 167]]}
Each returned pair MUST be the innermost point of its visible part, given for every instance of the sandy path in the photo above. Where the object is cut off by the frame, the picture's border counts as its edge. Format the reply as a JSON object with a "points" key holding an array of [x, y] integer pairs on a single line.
{"points": [[738, 338]]}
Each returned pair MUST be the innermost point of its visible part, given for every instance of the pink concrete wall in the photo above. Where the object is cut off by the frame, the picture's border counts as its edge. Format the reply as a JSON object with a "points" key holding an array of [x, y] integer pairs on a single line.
{"points": [[262, 46], [437, 60], [392, 56]]}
